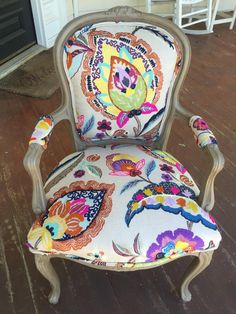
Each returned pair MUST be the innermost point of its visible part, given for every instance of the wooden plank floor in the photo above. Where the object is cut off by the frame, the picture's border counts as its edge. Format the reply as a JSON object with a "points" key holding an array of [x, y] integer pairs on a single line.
{"points": [[210, 90]]}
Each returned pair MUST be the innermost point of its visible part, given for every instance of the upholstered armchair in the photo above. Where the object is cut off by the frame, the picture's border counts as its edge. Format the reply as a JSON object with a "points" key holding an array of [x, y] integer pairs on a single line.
{"points": [[121, 202]]}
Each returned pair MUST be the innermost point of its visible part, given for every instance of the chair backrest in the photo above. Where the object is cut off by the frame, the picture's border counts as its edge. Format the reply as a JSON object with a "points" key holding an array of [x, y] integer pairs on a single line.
{"points": [[118, 71]]}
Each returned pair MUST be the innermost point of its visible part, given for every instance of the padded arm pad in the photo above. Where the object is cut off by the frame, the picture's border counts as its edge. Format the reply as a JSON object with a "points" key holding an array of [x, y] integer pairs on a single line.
{"points": [[202, 133], [42, 131]]}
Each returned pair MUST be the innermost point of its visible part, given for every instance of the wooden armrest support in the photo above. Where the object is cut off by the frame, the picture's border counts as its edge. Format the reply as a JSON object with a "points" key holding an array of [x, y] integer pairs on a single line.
{"points": [[215, 165], [38, 145], [31, 164]]}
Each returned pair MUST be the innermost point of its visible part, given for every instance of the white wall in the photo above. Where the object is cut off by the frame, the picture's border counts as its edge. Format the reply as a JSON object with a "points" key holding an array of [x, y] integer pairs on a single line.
{"points": [[85, 6], [51, 15]]}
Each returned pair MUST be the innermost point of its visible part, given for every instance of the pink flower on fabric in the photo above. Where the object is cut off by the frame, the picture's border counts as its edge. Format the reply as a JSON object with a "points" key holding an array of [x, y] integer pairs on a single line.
{"points": [[200, 124], [123, 117], [79, 206], [181, 168], [212, 219], [139, 197], [174, 190]]}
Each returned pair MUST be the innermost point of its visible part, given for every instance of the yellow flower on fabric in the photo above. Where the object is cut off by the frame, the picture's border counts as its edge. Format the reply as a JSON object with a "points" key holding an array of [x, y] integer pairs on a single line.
{"points": [[125, 156], [147, 192], [193, 206], [40, 238], [160, 199], [135, 206], [58, 224], [181, 245]]}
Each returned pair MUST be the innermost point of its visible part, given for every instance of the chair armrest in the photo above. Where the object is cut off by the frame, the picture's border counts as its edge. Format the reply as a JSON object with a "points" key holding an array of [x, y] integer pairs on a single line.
{"points": [[37, 145], [207, 141], [202, 133]]}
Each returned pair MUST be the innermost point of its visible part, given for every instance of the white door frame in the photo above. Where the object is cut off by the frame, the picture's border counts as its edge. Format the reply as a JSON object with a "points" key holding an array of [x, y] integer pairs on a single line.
{"points": [[49, 18]]}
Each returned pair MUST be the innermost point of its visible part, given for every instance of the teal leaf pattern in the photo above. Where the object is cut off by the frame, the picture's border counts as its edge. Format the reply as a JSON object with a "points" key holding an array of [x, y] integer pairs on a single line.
{"points": [[94, 171]]}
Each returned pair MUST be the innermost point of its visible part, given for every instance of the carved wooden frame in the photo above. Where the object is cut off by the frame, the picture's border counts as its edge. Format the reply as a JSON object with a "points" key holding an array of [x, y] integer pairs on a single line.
{"points": [[34, 153]]}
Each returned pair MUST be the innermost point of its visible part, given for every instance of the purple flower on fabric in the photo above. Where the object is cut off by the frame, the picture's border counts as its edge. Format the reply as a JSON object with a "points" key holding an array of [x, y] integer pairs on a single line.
{"points": [[125, 78], [187, 193], [166, 176], [104, 125], [170, 243], [170, 201], [79, 173], [166, 168], [100, 136]]}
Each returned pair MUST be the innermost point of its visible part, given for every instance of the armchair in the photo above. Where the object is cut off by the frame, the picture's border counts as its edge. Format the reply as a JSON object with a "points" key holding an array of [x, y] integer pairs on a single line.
{"points": [[120, 201]]}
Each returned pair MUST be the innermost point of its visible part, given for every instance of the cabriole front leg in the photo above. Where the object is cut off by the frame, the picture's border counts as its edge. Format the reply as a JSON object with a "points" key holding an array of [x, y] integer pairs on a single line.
{"points": [[45, 267], [200, 262]]}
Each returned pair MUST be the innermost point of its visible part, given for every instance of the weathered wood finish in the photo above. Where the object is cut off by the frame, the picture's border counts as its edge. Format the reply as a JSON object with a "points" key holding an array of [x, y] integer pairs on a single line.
{"points": [[210, 91]]}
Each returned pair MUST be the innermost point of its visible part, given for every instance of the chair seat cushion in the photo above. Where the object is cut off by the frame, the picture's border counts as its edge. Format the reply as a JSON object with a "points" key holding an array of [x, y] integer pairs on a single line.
{"points": [[122, 206]]}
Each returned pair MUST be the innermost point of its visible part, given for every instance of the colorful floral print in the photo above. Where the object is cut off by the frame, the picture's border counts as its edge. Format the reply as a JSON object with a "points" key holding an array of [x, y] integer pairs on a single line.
{"points": [[42, 131], [171, 245], [104, 125], [166, 177], [126, 86], [166, 158], [155, 198], [121, 76], [75, 50], [76, 214], [124, 165], [202, 133], [166, 168], [93, 231]]}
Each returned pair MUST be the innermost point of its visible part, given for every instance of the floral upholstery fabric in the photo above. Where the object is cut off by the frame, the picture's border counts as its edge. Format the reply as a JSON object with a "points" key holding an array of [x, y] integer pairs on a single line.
{"points": [[122, 206], [42, 131], [120, 75], [202, 133]]}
